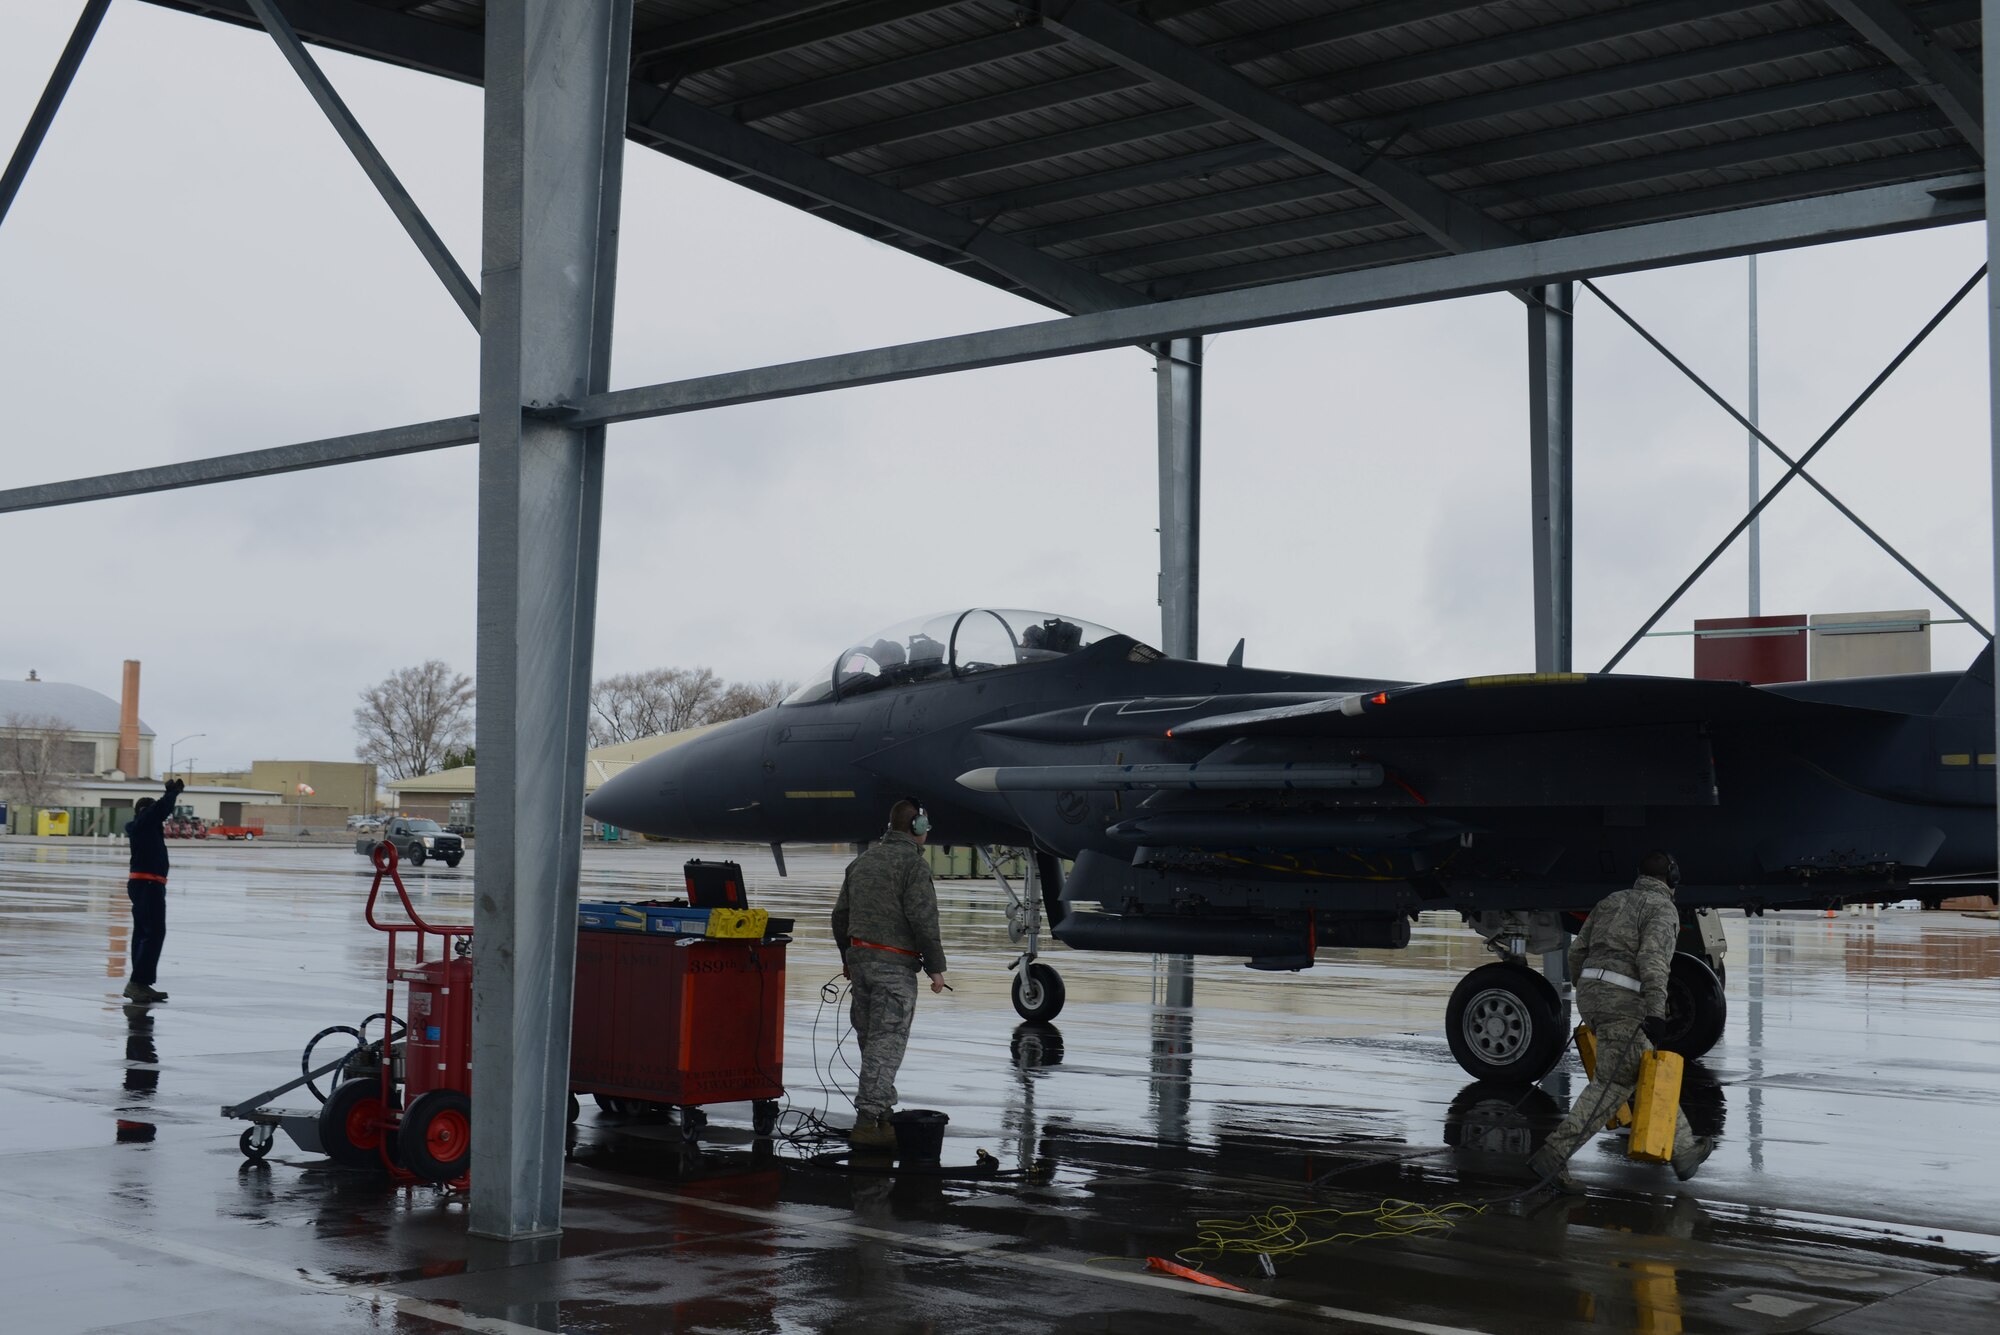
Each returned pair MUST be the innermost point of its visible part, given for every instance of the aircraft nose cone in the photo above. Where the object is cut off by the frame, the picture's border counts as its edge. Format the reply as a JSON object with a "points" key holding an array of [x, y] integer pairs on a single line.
{"points": [[707, 787], [646, 798]]}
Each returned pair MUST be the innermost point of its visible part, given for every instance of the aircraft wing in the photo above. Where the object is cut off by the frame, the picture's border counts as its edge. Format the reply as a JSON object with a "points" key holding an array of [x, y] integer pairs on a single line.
{"points": [[1522, 703]]}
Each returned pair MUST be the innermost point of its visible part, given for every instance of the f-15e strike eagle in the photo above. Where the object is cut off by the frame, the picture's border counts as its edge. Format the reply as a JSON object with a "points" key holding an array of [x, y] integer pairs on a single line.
{"points": [[1224, 810]]}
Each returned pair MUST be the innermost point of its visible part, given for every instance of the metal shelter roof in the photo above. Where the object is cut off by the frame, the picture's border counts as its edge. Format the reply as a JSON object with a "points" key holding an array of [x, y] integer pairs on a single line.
{"points": [[1094, 155]]}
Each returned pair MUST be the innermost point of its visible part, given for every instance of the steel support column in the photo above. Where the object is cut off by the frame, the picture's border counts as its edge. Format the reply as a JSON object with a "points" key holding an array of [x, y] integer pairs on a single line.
{"points": [[53, 92], [1989, 40], [1178, 369], [555, 117], [1551, 423], [1179, 390]]}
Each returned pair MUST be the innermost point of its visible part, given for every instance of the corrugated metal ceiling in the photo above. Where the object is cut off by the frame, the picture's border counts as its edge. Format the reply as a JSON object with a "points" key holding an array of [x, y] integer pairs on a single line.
{"points": [[1549, 116]]}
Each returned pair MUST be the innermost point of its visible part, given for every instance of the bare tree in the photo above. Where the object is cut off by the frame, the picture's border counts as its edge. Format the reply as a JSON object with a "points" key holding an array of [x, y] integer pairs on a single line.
{"points": [[632, 705], [412, 719], [36, 752], [744, 698]]}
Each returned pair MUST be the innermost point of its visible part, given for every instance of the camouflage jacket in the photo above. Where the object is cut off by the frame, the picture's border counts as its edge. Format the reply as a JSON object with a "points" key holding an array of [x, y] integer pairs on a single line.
{"points": [[1632, 932], [887, 898]]}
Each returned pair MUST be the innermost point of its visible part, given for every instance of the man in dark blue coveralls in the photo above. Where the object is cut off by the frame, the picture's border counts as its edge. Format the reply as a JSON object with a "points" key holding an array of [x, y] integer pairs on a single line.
{"points": [[146, 886]]}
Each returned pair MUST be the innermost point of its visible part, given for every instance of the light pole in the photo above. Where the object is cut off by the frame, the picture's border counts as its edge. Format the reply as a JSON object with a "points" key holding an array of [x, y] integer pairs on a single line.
{"points": [[175, 746]]}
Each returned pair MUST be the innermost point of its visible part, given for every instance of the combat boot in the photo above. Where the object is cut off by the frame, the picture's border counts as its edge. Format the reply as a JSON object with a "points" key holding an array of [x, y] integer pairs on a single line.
{"points": [[1552, 1174], [1688, 1162], [872, 1133], [140, 992]]}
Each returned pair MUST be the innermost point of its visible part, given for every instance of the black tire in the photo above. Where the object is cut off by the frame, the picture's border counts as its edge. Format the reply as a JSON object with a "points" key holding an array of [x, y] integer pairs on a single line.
{"points": [[1038, 992], [350, 1125], [1505, 1023], [575, 1110], [764, 1116], [453, 859], [416, 855], [1697, 1009], [247, 1142], [610, 1104], [437, 1135]]}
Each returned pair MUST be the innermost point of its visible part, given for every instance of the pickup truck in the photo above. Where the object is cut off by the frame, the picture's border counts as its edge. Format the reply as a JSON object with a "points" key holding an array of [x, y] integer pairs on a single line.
{"points": [[417, 841]]}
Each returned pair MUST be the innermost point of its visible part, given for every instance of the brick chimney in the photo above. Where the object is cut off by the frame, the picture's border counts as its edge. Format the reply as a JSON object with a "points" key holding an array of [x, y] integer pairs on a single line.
{"points": [[128, 722]]}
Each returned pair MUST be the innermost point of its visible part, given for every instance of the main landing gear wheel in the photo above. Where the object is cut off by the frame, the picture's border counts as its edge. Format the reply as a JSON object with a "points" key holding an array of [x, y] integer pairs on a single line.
{"points": [[1505, 1022], [437, 1135], [350, 1125], [1697, 1010], [1038, 992]]}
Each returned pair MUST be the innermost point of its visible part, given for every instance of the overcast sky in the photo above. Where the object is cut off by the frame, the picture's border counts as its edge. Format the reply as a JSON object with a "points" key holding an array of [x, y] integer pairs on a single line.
{"points": [[196, 266]]}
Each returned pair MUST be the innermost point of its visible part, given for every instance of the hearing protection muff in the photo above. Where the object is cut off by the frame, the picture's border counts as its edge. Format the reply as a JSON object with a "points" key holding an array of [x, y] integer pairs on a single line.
{"points": [[922, 824], [1673, 876]]}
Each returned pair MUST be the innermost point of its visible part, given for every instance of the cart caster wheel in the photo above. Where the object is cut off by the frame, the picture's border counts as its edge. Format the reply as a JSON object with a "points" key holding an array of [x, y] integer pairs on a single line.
{"points": [[350, 1126], [693, 1122], [610, 1104], [255, 1142], [764, 1116], [437, 1135], [575, 1110]]}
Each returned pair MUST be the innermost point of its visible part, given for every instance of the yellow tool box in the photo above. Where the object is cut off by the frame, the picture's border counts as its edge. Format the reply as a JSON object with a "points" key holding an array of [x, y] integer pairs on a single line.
{"points": [[1656, 1107], [1586, 1048], [738, 922]]}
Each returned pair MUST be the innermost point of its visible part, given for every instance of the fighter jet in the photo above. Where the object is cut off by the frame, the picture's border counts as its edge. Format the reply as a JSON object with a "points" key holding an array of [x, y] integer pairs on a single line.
{"points": [[1222, 810]]}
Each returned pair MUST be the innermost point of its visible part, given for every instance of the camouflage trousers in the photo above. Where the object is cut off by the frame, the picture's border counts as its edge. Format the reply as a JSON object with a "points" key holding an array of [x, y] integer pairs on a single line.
{"points": [[883, 1001], [1620, 1044]]}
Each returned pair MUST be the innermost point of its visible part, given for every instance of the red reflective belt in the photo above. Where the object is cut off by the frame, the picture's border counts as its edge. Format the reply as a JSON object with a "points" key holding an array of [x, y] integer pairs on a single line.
{"points": [[894, 950], [146, 876]]}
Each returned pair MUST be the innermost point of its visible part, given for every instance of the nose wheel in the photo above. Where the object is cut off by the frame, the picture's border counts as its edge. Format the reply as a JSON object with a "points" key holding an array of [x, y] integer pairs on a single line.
{"points": [[1038, 988]]}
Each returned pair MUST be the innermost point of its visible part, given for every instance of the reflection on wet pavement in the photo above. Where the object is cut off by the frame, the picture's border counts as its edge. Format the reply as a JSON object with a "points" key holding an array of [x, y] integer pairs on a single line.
{"points": [[1850, 1192]]}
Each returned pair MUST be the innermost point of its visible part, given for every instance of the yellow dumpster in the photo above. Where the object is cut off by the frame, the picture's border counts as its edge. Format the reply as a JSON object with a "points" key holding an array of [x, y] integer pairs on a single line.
{"points": [[52, 822]]}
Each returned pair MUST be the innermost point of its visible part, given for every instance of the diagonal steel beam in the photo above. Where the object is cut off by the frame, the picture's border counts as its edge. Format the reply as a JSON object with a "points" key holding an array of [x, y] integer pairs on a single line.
{"points": [[1138, 46], [1943, 76], [679, 123], [429, 243], [1797, 469], [1796, 465], [44, 113]]}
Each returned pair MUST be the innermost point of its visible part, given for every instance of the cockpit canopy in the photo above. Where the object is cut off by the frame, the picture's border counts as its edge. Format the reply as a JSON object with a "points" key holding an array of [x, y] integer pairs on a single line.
{"points": [[950, 644]]}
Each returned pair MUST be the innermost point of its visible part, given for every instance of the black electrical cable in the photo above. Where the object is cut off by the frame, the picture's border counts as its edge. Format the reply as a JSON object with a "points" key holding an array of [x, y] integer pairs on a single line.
{"points": [[361, 1046]]}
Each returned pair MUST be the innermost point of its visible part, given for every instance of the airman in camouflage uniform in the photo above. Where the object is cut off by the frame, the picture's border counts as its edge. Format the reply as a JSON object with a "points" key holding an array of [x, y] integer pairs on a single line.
{"points": [[885, 922], [1621, 960]]}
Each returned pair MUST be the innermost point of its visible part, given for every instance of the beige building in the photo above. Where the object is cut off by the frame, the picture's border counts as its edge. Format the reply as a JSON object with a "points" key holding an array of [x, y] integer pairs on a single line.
{"points": [[340, 788], [447, 795]]}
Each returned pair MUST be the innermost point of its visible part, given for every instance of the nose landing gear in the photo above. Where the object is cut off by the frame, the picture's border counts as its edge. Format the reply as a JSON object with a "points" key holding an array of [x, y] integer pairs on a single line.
{"points": [[1038, 988]]}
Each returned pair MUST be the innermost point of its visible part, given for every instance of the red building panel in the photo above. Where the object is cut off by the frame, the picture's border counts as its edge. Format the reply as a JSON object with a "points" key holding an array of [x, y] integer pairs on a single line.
{"points": [[1752, 649]]}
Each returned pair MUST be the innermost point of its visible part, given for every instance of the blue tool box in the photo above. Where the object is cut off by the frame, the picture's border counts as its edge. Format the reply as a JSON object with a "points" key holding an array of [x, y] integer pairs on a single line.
{"points": [[658, 919]]}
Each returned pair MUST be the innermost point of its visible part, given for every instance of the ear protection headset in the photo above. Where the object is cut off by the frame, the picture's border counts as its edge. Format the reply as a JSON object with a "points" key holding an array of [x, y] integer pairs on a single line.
{"points": [[921, 826], [1673, 876]]}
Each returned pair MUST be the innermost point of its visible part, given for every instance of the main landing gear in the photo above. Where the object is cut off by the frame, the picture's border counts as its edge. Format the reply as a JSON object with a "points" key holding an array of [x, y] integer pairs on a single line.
{"points": [[1038, 988], [1506, 1022]]}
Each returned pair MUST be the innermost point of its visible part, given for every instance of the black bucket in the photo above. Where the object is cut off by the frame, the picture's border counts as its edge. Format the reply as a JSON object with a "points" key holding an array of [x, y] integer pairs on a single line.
{"points": [[919, 1135]]}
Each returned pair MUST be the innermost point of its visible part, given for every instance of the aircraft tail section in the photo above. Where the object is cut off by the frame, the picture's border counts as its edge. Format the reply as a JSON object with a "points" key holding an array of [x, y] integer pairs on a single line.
{"points": [[1973, 696]]}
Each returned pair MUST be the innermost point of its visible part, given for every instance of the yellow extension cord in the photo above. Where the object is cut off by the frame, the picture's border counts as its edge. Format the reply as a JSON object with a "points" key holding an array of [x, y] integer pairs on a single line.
{"points": [[1283, 1231]]}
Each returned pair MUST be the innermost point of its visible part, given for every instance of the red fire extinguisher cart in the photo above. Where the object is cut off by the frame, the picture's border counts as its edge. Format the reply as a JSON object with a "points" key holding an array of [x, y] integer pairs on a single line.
{"points": [[412, 1109]]}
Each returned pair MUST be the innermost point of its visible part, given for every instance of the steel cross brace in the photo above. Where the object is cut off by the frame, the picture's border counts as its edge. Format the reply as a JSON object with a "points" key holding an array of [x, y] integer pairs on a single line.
{"points": [[1796, 469], [1795, 465], [51, 100], [434, 250]]}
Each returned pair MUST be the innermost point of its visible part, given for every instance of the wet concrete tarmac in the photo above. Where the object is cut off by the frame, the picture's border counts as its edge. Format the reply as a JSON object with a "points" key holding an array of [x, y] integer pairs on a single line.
{"points": [[1853, 1190]]}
